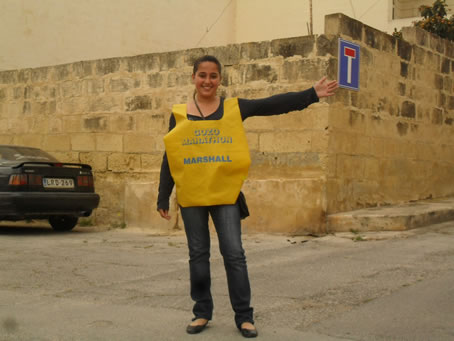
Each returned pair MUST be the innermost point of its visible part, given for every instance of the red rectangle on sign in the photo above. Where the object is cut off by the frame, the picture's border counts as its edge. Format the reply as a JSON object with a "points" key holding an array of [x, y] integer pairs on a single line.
{"points": [[349, 52]]}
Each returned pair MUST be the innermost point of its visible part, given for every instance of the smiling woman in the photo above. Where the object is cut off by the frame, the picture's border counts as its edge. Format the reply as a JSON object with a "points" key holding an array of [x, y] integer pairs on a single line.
{"points": [[207, 157]]}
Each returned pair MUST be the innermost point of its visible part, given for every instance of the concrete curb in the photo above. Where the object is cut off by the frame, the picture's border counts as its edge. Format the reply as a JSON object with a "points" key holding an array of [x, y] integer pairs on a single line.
{"points": [[393, 218]]}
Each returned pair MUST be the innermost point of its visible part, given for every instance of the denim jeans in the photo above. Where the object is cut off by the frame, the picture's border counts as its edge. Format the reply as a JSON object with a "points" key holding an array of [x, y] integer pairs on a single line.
{"points": [[226, 219]]}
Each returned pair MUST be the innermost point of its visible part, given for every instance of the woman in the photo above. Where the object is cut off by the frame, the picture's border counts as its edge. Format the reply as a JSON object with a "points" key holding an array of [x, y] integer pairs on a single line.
{"points": [[207, 158]]}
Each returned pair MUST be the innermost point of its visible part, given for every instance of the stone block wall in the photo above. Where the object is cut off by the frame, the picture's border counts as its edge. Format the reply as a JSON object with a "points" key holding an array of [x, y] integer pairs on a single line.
{"points": [[390, 142], [113, 114]]}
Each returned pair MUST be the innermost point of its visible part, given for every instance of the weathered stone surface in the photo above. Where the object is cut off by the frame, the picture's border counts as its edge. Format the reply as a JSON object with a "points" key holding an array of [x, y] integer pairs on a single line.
{"points": [[155, 80], [140, 143], [420, 54], [95, 124], [293, 142], [109, 142], [436, 43], [106, 66], [122, 123], [138, 103], [62, 72], [340, 24], [356, 149], [327, 45], [306, 69], [301, 46], [437, 116], [227, 55], [93, 86], [139, 198], [402, 88], [23, 76], [445, 65], [151, 162], [404, 49], [254, 72], [83, 142], [59, 142], [82, 69], [253, 51], [8, 77], [169, 60], [372, 37], [123, 84], [297, 215], [3, 94], [70, 89], [408, 109], [40, 74], [404, 69], [105, 103], [98, 161], [121, 162], [180, 79], [438, 81], [143, 63]]}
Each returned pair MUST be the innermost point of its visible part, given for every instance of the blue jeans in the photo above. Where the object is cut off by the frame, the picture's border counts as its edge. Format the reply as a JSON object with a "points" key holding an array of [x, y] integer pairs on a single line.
{"points": [[227, 222]]}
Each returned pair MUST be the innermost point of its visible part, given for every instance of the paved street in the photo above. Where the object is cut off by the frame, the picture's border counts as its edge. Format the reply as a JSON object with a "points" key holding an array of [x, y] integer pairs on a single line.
{"points": [[132, 285]]}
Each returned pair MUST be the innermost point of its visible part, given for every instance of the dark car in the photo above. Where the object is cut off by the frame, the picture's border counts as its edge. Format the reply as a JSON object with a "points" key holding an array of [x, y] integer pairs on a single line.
{"points": [[34, 185]]}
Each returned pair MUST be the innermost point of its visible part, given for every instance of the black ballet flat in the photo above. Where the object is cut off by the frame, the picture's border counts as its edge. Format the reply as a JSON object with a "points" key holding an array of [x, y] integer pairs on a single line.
{"points": [[249, 333], [196, 329]]}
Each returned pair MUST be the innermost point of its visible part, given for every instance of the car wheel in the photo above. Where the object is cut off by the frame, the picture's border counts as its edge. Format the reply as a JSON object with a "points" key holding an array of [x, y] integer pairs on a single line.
{"points": [[63, 222]]}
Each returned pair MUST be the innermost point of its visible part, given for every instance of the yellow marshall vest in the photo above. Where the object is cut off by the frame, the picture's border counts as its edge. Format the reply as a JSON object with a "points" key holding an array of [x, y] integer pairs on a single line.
{"points": [[208, 159]]}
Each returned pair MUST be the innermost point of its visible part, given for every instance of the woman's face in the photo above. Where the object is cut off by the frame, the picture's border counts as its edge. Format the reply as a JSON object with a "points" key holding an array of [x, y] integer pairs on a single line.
{"points": [[207, 79]]}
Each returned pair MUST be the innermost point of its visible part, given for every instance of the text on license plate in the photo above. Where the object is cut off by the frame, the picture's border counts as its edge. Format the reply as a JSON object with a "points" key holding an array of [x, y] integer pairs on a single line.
{"points": [[58, 183]]}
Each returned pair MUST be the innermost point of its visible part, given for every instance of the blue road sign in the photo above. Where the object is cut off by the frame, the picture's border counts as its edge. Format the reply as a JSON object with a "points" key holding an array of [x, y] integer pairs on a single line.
{"points": [[348, 68]]}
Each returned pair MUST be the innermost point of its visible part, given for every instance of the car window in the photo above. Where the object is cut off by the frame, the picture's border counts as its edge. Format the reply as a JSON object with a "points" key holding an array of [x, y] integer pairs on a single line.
{"points": [[22, 154]]}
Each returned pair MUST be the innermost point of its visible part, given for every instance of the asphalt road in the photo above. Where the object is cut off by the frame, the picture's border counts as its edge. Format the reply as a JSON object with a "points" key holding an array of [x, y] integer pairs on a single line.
{"points": [[132, 285]]}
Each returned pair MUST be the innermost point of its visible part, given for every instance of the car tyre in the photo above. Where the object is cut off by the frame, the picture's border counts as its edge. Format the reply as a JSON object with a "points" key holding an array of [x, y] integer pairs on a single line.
{"points": [[63, 222]]}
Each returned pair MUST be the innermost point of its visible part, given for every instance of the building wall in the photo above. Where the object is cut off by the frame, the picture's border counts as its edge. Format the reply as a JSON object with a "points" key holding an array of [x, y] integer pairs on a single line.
{"points": [[113, 114], [51, 32], [393, 140], [390, 142]]}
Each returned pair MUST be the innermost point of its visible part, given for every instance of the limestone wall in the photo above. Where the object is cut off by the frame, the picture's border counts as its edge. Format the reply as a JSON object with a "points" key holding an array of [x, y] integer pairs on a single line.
{"points": [[113, 114], [393, 141], [390, 142]]}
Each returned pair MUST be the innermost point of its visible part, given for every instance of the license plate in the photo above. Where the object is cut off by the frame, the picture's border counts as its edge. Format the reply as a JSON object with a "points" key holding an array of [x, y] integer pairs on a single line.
{"points": [[58, 183]]}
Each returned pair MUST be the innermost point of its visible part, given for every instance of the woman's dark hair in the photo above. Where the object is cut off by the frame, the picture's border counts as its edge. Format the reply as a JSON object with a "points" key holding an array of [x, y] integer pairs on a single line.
{"points": [[206, 58]]}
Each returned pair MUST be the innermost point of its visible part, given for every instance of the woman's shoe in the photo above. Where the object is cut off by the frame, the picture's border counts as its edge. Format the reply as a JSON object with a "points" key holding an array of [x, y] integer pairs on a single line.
{"points": [[249, 333], [195, 329]]}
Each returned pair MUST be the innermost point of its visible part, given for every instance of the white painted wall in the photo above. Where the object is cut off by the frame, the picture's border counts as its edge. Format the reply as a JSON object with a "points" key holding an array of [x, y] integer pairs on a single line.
{"points": [[270, 19], [48, 32]]}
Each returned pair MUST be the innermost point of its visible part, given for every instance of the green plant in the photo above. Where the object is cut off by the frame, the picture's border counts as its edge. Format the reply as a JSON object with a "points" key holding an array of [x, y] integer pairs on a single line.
{"points": [[85, 222], [358, 239], [435, 20], [397, 34], [118, 225]]}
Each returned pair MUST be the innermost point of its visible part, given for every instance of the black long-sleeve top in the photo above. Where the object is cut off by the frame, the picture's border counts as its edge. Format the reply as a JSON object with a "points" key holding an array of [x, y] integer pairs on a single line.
{"points": [[274, 105]]}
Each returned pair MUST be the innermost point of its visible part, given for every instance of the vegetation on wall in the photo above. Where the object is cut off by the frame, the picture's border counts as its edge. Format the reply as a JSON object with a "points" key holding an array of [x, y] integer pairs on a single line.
{"points": [[435, 20]]}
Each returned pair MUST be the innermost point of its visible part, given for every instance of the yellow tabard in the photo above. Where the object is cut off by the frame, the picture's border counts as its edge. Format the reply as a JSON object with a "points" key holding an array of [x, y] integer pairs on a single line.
{"points": [[208, 159]]}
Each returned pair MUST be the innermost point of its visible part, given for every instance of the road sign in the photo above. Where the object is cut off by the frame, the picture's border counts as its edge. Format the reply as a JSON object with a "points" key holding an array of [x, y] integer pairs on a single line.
{"points": [[348, 74]]}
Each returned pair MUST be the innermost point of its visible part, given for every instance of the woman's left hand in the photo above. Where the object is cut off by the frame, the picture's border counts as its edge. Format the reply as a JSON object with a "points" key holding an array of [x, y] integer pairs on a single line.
{"points": [[325, 88]]}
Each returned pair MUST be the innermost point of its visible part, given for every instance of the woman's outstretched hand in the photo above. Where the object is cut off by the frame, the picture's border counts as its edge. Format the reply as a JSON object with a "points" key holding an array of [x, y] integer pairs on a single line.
{"points": [[164, 213], [325, 88]]}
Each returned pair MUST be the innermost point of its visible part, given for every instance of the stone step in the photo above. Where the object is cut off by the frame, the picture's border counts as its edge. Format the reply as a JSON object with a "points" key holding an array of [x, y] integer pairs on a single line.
{"points": [[393, 218]]}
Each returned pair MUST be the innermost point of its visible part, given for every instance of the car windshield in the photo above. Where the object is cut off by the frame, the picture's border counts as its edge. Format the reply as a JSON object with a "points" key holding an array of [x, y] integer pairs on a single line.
{"points": [[24, 154]]}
